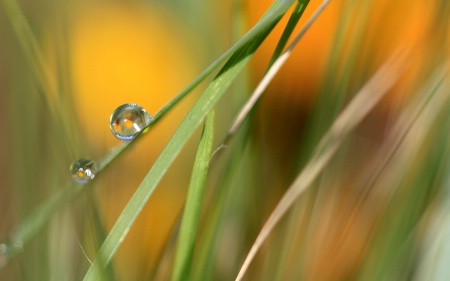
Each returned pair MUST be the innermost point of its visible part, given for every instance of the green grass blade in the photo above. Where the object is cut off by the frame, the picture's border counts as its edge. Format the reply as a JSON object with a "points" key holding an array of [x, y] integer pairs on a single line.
{"points": [[293, 20], [436, 245], [46, 81], [290, 26], [29, 227], [203, 106], [194, 202], [35, 221], [209, 248], [32, 51], [276, 65], [215, 219], [393, 247], [354, 113]]}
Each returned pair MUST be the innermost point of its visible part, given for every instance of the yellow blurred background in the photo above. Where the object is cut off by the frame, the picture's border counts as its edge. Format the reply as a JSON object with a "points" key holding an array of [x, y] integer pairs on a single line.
{"points": [[107, 53]]}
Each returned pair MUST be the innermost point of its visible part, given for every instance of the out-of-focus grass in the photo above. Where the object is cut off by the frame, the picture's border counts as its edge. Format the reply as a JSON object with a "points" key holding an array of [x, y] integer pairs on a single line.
{"points": [[194, 202], [376, 212]]}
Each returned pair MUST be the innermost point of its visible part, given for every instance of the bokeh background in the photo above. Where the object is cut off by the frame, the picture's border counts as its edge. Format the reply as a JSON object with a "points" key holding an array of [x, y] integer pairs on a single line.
{"points": [[353, 223]]}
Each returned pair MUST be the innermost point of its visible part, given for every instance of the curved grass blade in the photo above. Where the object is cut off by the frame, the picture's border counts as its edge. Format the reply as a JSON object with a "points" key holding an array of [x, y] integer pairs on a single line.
{"points": [[208, 249], [194, 203], [213, 229], [247, 46], [206, 259], [275, 66], [352, 115], [30, 226]]}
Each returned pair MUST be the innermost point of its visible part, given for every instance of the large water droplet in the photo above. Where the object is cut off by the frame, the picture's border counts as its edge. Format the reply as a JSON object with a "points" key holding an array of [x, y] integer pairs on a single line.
{"points": [[128, 120], [83, 170]]}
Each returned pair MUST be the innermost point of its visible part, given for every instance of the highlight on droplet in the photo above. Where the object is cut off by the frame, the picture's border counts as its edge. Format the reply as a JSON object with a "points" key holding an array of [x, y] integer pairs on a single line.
{"points": [[128, 120], [83, 170]]}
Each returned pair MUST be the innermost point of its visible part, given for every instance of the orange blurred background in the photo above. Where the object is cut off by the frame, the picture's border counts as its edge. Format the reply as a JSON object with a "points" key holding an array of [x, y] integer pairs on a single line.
{"points": [[145, 53]]}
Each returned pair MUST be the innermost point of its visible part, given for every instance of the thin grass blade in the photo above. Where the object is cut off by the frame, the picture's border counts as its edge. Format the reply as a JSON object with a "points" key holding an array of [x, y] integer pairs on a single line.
{"points": [[194, 203], [194, 118], [275, 66], [357, 109], [29, 227]]}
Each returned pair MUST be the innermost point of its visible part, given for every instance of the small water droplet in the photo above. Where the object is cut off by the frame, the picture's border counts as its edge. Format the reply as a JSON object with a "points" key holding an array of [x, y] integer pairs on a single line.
{"points": [[83, 170], [128, 120], [3, 249], [4, 254], [7, 250]]}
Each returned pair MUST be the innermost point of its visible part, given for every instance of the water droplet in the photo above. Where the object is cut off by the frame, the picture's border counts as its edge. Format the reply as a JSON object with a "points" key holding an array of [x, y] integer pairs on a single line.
{"points": [[3, 249], [7, 250], [128, 120], [83, 170], [4, 254]]}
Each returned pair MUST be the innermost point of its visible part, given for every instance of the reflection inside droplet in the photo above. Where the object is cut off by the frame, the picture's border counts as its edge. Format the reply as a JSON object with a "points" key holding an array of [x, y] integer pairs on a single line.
{"points": [[83, 170], [128, 120]]}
